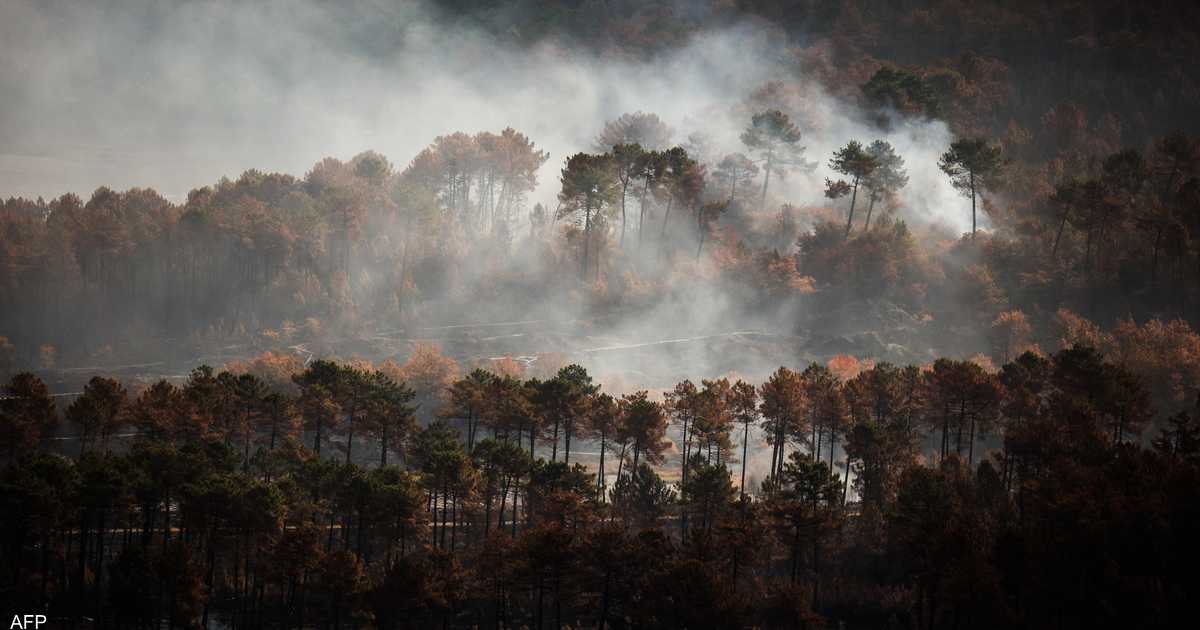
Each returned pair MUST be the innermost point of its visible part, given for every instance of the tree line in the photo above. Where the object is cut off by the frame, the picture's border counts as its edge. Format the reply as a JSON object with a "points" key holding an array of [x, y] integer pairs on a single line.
{"points": [[922, 497], [360, 245]]}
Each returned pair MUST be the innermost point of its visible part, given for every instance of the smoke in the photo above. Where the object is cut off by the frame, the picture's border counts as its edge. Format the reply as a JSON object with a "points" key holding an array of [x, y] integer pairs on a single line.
{"points": [[176, 95]]}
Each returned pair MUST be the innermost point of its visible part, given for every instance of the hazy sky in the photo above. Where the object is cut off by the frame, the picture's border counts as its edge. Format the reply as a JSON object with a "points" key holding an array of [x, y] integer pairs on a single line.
{"points": [[174, 99]]}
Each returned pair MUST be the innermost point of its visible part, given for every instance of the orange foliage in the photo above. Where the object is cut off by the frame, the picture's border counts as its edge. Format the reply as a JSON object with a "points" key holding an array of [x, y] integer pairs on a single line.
{"points": [[273, 368], [780, 277], [427, 371], [984, 362], [1078, 330], [360, 363], [506, 366], [846, 367], [1010, 335], [773, 275], [1165, 355]]}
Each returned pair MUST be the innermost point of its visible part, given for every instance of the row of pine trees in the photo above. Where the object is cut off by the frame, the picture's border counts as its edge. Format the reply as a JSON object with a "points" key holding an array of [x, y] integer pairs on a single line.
{"points": [[934, 497]]}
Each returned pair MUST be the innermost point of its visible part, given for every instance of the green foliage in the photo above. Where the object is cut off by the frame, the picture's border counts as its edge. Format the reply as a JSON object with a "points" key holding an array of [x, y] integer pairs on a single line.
{"points": [[770, 130], [881, 262], [641, 497], [901, 91], [776, 140], [888, 176], [854, 161], [707, 493], [589, 183], [973, 164]]}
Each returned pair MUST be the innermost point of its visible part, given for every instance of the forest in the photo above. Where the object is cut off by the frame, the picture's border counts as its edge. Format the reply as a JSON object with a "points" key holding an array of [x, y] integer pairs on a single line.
{"points": [[612, 314]]}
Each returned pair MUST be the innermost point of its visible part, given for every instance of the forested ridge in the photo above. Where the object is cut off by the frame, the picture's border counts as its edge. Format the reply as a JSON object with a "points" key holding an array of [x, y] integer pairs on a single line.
{"points": [[1088, 196], [354, 248], [479, 384]]}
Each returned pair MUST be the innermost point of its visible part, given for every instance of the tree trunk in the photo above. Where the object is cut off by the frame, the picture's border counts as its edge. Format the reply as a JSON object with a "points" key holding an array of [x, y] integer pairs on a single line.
{"points": [[624, 188], [600, 481], [666, 217], [587, 237], [853, 199], [1062, 224], [445, 508], [567, 443], [762, 205], [745, 445], [383, 445], [971, 446], [453, 521], [642, 212], [403, 270], [554, 447], [962, 419], [945, 447], [774, 454], [686, 444], [503, 500], [516, 495], [621, 462]]}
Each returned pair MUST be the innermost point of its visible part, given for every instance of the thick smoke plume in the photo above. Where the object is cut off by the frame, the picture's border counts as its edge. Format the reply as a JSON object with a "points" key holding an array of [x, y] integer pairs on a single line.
{"points": [[176, 96]]}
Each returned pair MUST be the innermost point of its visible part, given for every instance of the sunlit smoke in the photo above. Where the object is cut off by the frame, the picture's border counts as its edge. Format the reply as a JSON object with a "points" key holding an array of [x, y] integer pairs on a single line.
{"points": [[175, 98]]}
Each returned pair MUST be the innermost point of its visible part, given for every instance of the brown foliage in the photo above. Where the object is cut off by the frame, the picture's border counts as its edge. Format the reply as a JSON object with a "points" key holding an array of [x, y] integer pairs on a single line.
{"points": [[427, 371]]}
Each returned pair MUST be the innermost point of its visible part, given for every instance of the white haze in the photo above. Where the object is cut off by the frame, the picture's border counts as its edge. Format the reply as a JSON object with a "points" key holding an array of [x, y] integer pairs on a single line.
{"points": [[176, 96]]}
